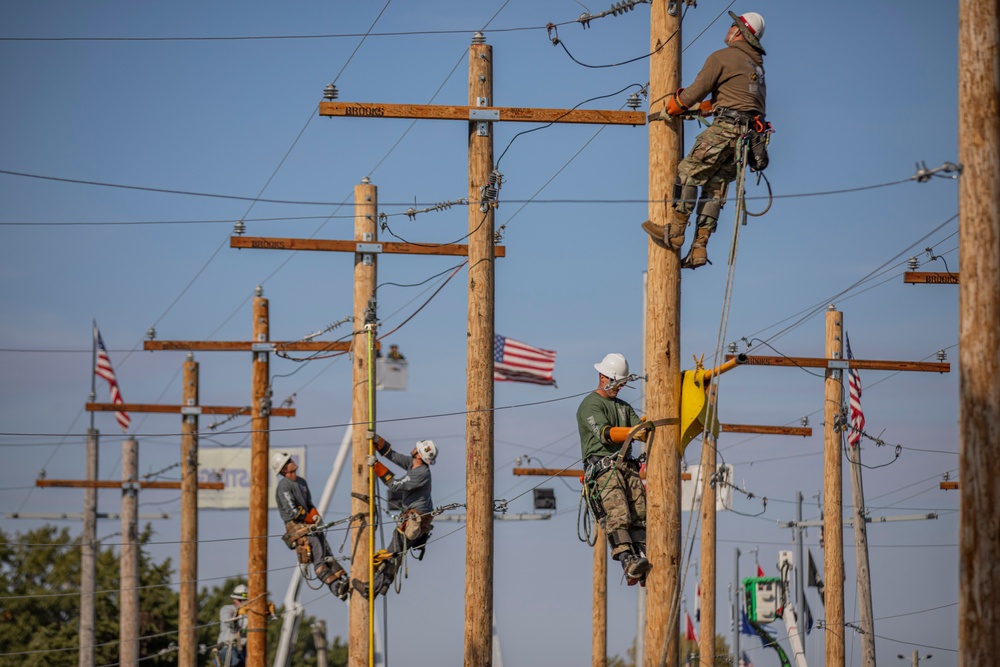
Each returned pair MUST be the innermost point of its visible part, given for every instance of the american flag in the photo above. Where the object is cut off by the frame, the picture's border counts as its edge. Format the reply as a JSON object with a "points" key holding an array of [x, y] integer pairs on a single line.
{"points": [[514, 361], [745, 660], [855, 416], [104, 370]]}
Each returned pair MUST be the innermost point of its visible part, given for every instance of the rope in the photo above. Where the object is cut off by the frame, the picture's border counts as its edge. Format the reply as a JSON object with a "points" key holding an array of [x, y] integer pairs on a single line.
{"points": [[707, 440], [371, 498]]}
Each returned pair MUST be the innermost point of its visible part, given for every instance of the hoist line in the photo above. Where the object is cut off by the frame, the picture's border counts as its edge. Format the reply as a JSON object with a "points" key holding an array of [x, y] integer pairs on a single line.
{"points": [[707, 437], [370, 328]]}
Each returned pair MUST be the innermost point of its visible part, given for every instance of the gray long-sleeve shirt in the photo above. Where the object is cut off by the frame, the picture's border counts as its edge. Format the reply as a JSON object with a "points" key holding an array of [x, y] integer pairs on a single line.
{"points": [[290, 496], [415, 485], [230, 624], [735, 78]]}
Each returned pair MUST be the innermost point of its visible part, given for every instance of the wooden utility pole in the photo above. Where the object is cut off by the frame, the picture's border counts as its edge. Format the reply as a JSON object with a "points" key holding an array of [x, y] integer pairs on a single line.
{"points": [[979, 330], [599, 623], [362, 618], [260, 439], [867, 617], [188, 604], [88, 551], [706, 625], [128, 617], [663, 388], [318, 630], [833, 494], [479, 384]]}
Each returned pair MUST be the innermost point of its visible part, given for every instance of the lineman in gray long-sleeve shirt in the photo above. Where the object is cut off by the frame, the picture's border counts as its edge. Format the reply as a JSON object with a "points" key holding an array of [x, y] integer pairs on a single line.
{"points": [[415, 524], [296, 508], [734, 77]]}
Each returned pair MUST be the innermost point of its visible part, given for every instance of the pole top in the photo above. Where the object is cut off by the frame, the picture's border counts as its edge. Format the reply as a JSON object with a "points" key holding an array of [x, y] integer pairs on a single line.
{"points": [[832, 307], [366, 181], [190, 356], [258, 291], [478, 38]]}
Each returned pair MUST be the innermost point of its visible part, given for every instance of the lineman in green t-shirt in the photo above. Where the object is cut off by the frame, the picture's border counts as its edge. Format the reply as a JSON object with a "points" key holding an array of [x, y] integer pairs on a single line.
{"points": [[614, 490]]}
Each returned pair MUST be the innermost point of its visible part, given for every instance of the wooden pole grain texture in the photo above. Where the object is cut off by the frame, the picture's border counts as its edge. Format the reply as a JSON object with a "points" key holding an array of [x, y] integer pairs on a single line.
{"points": [[833, 495], [479, 382], [128, 558], [260, 425], [663, 300], [187, 636], [365, 265], [600, 613], [979, 331]]}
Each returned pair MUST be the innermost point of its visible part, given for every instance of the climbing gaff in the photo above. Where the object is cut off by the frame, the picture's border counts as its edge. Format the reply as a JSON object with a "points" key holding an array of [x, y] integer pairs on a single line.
{"points": [[697, 414]]}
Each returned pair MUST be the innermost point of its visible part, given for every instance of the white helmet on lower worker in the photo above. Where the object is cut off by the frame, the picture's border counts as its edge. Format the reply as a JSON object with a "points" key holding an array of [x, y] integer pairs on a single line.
{"points": [[239, 593], [428, 451], [278, 461], [613, 366]]}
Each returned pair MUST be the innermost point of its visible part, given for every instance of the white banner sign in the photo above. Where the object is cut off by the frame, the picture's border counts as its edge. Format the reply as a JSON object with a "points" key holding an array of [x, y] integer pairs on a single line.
{"points": [[691, 489], [231, 465]]}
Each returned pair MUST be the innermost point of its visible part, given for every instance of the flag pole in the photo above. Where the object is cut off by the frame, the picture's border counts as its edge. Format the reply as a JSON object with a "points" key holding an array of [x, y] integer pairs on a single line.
{"points": [[93, 375], [88, 538]]}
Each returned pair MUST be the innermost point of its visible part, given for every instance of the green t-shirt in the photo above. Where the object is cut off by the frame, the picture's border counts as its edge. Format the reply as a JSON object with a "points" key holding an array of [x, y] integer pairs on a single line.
{"points": [[596, 412]]}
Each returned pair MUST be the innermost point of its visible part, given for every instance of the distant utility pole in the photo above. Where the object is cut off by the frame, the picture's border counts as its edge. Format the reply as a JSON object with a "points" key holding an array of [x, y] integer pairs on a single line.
{"points": [[662, 353], [128, 618], [979, 330]]}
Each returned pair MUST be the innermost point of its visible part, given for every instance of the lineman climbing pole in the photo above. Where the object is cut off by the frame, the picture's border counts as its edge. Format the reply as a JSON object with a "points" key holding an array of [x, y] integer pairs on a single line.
{"points": [[480, 114], [979, 330], [663, 515]]}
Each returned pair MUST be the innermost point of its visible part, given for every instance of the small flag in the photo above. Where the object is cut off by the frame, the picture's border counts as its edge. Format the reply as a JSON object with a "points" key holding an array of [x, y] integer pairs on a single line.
{"points": [[807, 616], [856, 417], [745, 660], [815, 580], [745, 626], [689, 632], [760, 571], [104, 370], [514, 361], [697, 604]]}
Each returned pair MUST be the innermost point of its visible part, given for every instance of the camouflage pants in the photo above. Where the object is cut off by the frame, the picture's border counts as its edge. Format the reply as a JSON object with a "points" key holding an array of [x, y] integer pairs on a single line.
{"points": [[624, 502], [711, 165]]}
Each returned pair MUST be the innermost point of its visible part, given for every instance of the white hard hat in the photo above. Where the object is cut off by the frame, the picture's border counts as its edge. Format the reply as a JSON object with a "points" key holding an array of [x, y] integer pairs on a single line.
{"points": [[751, 26], [239, 593], [428, 451], [613, 366], [278, 461]]}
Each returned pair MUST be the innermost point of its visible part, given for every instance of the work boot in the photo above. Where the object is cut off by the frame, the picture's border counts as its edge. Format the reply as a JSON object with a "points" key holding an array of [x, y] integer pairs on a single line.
{"points": [[341, 586], [635, 567], [698, 255], [674, 235], [361, 587], [655, 232]]}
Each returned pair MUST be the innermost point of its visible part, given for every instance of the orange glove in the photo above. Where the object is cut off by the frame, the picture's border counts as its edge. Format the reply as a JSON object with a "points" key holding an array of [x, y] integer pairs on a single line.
{"points": [[705, 108], [381, 471], [674, 105], [617, 434], [313, 516]]}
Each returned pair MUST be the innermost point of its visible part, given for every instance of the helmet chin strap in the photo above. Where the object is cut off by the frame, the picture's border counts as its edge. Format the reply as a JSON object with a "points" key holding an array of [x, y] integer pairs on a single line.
{"points": [[616, 384]]}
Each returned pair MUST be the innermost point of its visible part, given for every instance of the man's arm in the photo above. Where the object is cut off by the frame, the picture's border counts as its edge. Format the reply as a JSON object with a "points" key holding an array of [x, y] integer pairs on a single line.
{"points": [[414, 479], [704, 83]]}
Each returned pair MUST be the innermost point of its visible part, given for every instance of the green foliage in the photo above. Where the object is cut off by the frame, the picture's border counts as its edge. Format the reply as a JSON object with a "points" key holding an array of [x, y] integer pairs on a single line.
{"points": [[40, 607]]}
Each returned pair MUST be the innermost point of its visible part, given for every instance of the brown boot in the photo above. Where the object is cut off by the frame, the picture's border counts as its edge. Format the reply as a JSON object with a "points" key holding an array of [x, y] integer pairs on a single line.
{"points": [[674, 235], [698, 255], [655, 232]]}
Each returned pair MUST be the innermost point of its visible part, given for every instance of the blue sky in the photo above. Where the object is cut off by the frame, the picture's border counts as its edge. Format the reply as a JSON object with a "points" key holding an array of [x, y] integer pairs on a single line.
{"points": [[858, 94]]}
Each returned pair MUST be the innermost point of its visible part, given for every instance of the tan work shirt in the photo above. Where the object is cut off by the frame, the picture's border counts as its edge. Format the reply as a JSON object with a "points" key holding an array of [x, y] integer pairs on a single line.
{"points": [[734, 76]]}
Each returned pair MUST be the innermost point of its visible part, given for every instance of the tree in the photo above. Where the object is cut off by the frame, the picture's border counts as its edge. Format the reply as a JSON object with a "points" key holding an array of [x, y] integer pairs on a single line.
{"points": [[40, 606]]}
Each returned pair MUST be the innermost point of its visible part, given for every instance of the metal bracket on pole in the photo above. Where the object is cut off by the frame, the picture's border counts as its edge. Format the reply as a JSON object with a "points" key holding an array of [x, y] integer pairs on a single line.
{"points": [[483, 117], [191, 410], [261, 347], [838, 364]]}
